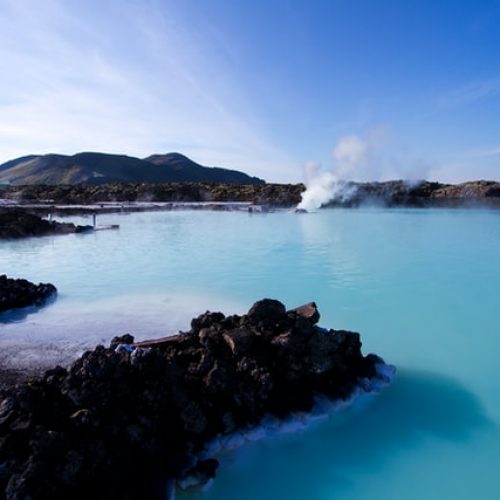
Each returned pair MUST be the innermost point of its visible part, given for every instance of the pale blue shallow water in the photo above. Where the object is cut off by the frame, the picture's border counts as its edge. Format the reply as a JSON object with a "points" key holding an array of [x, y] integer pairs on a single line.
{"points": [[421, 286]]}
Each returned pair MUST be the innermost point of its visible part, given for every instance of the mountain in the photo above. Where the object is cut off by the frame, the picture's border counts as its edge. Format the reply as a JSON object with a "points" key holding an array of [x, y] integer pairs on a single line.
{"points": [[183, 169], [102, 168]]}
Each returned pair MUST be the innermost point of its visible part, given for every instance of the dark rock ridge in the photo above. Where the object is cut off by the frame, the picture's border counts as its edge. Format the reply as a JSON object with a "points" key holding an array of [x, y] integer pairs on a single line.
{"points": [[121, 420], [420, 194], [285, 195], [18, 223], [390, 193], [17, 293], [102, 168]]}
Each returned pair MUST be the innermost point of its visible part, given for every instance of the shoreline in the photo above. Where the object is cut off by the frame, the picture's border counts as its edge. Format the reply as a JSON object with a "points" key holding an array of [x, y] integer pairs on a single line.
{"points": [[156, 409], [271, 426], [131, 207], [267, 428], [48, 210], [348, 194]]}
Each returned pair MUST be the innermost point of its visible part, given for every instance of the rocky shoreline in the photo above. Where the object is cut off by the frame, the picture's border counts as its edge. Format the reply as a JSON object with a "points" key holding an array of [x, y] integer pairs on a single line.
{"points": [[19, 223], [19, 293], [148, 410], [396, 193], [422, 194], [277, 195]]}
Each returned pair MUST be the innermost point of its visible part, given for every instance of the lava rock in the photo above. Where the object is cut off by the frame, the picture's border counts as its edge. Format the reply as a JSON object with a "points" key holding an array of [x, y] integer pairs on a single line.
{"points": [[19, 223], [17, 293], [308, 311], [148, 411]]}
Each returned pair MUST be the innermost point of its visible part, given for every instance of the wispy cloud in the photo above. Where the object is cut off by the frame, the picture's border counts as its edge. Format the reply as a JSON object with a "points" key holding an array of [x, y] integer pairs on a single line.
{"points": [[484, 152], [350, 153], [492, 152], [471, 92], [122, 78], [376, 155]]}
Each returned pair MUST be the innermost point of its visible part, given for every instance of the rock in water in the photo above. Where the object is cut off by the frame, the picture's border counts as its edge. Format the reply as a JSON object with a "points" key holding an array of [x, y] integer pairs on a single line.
{"points": [[18, 223], [148, 410], [17, 293]]}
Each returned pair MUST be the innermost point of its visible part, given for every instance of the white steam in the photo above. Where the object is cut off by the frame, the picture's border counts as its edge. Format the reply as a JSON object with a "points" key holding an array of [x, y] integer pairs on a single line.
{"points": [[372, 157], [349, 155], [323, 188]]}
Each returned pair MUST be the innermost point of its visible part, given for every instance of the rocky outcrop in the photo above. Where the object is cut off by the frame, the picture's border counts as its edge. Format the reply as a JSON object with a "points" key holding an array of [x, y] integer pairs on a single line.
{"points": [[473, 190], [9, 378], [17, 293], [148, 410], [18, 223], [419, 194], [279, 195], [353, 194]]}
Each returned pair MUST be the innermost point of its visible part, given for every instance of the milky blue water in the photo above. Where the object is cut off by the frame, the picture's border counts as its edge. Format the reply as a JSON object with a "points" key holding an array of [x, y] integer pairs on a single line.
{"points": [[421, 286]]}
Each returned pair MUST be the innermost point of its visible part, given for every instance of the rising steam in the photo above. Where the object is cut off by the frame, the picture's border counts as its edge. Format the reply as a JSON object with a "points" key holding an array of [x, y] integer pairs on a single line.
{"points": [[323, 188], [358, 158], [349, 155]]}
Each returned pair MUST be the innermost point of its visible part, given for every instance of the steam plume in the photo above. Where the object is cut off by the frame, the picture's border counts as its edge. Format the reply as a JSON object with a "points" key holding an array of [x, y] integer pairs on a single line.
{"points": [[349, 155], [357, 158], [323, 188]]}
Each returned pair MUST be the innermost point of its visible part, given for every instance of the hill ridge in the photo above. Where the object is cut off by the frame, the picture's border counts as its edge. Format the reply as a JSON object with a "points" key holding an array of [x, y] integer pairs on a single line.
{"points": [[91, 167]]}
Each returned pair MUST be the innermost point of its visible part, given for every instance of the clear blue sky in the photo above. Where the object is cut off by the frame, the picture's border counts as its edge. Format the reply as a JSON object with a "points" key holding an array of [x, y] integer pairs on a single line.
{"points": [[372, 89]]}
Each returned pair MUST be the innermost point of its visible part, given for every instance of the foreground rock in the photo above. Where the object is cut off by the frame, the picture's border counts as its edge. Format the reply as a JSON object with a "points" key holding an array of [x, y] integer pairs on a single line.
{"points": [[17, 293], [123, 419], [9, 378], [18, 223]]}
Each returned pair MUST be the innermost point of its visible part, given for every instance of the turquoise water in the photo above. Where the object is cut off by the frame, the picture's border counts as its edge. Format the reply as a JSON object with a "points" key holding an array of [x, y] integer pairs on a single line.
{"points": [[421, 286]]}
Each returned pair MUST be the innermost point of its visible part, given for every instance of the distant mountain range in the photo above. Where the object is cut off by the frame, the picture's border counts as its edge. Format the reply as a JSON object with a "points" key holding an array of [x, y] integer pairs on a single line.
{"points": [[102, 168]]}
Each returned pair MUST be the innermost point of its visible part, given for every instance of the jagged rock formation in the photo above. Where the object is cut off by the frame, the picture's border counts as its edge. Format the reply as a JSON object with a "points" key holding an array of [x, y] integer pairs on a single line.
{"points": [[390, 193], [102, 168], [18, 223], [17, 293], [120, 420], [272, 194], [419, 194], [473, 190]]}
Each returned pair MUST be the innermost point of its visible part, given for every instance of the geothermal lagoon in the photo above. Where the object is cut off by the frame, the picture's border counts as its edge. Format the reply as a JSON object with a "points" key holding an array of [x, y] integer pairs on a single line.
{"points": [[420, 285]]}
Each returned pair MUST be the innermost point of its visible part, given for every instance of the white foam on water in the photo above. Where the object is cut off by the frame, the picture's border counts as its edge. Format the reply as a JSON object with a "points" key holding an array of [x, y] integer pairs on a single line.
{"points": [[62, 331], [271, 426]]}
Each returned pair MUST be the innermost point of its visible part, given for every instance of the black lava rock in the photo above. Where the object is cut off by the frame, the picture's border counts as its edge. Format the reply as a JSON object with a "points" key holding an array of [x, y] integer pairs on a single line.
{"points": [[17, 293], [120, 420]]}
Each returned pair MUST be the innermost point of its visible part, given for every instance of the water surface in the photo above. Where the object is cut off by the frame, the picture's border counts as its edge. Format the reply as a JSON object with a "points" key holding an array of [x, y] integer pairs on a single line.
{"points": [[422, 287]]}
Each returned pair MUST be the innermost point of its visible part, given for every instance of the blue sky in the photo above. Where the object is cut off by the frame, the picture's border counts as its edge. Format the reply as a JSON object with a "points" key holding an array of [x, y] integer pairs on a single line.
{"points": [[371, 89]]}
